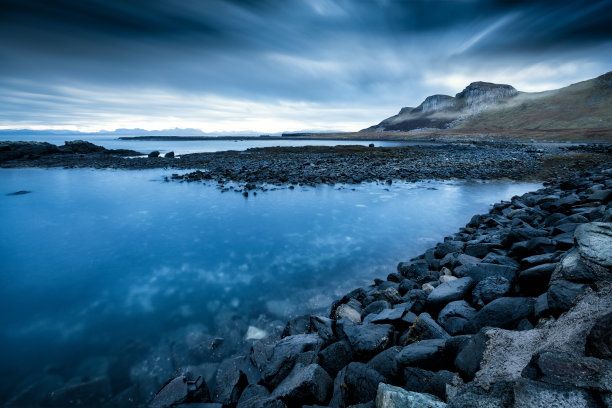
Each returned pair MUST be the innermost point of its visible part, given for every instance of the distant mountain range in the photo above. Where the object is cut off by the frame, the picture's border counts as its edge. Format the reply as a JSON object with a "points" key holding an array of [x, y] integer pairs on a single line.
{"points": [[488, 107]]}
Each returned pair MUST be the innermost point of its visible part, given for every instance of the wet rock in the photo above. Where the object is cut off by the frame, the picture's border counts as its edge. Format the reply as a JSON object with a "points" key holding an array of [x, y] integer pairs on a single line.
{"points": [[391, 316], [284, 355], [181, 390], [470, 355], [335, 356], [369, 339], [347, 312], [457, 309], [257, 396], [480, 250], [534, 281], [154, 153], [540, 259], [599, 339], [498, 259], [483, 270], [323, 327], [389, 396], [423, 354], [423, 328], [385, 363], [304, 385], [447, 247], [407, 285], [230, 382], [450, 291], [376, 307], [355, 384], [561, 294], [390, 295], [541, 308], [489, 289], [528, 393], [297, 325], [499, 395], [169, 155], [594, 242], [505, 313], [416, 299], [557, 367]]}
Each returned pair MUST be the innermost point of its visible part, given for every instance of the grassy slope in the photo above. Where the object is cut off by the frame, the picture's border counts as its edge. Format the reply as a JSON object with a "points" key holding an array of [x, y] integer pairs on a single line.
{"points": [[586, 104]]}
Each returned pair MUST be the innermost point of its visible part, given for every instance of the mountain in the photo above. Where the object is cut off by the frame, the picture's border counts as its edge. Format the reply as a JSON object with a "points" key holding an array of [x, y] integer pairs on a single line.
{"points": [[486, 107]]}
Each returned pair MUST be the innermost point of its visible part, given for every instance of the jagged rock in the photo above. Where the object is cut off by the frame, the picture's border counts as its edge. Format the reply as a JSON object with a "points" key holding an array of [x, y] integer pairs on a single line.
{"points": [[594, 242], [257, 396], [457, 309], [447, 247], [389, 396], [391, 316], [557, 367], [347, 312], [561, 294], [534, 281], [423, 328], [417, 379], [483, 270], [284, 355], [470, 355], [390, 294], [529, 394], [450, 291], [416, 299], [417, 271], [489, 289], [541, 308], [599, 339], [230, 382], [323, 327], [386, 364], [480, 250], [335, 356], [369, 339], [181, 390], [406, 285], [499, 395], [504, 313], [376, 307], [355, 384], [297, 325], [423, 354], [304, 385]]}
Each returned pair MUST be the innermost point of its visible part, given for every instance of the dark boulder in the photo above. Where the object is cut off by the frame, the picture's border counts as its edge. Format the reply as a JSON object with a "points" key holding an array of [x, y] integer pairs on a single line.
{"points": [[599, 339], [304, 385], [169, 155], [407, 285], [423, 328], [181, 390], [367, 340], [386, 364], [416, 300], [594, 242], [504, 313], [391, 316], [561, 294], [154, 153], [417, 271], [323, 327], [424, 354], [375, 307], [489, 289], [231, 380], [529, 393], [499, 395], [534, 281], [449, 291], [355, 384], [447, 247], [470, 355], [335, 356], [481, 271], [417, 379], [448, 316], [297, 325]]}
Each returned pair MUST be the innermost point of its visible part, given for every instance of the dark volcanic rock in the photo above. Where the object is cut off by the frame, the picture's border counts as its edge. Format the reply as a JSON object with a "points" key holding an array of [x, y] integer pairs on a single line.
{"points": [[528, 393], [181, 390], [594, 242], [599, 339], [470, 355], [505, 313], [304, 385], [154, 153], [449, 291], [449, 314], [489, 289], [423, 328], [369, 339], [534, 281], [386, 364], [561, 294], [423, 354], [230, 382], [335, 356], [355, 384], [481, 271]]}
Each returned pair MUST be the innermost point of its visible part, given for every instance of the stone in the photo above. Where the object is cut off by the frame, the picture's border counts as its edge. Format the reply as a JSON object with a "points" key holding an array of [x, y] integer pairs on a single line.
{"points": [[470, 355], [447, 247], [540, 308], [407, 285], [458, 308], [483, 270], [257, 396], [389, 396], [335, 356], [284, 355], [479, 250], [230, 382], [390, 294], [489, 289], [355, 384], [499, 395], [181, 390], [304, 385], [386, 363], [450, 291], [297, 325], [561, 294], [561, 368], [154, 153], [369, 339], [392, 316], [417, 379], [599, 339], [594, 242], [418, 271], [423, 354], [528, 394], [323, 327], [498, 259], [169, 155], [424, 328], [347, 312], [540, 259], [376, 307], [504, 312], [534, 281]]}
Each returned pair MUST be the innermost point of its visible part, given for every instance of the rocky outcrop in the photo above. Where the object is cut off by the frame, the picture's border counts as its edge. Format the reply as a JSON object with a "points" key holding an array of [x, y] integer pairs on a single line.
{"points": [[34, 150]]}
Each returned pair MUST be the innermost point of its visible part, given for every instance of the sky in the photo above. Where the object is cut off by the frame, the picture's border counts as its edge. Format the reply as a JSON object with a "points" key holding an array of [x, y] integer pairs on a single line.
{"points": [[270, 66]]}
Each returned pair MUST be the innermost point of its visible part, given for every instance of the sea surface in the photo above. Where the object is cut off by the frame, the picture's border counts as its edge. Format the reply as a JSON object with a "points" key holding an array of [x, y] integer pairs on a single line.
{"points": [[91, 260], [200, 146]]}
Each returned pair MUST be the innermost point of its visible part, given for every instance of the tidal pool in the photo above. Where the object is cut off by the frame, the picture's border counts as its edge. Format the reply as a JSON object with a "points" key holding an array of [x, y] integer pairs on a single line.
{"points": [[92, 260]]}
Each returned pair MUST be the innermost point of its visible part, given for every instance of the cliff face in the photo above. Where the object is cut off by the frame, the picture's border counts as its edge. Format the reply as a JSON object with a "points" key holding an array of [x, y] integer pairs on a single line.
{"points": [[440, 111]]}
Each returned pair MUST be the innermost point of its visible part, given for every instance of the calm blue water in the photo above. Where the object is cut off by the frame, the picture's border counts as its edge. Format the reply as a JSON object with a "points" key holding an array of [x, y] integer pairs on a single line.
{"points": [[199, 146], [92, 259]]}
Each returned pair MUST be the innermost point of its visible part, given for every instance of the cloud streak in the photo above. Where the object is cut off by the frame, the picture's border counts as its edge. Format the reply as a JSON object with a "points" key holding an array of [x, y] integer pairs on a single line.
{"points": [[269, 65]]}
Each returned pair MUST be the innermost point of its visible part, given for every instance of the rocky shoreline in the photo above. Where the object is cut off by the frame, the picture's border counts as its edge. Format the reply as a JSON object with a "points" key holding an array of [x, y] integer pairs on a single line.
{"points": [[261, 168], [513, 310]]}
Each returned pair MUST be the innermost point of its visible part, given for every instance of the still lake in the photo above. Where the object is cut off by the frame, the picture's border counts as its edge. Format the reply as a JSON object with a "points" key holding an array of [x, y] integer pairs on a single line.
{"points": [[92, 259]]}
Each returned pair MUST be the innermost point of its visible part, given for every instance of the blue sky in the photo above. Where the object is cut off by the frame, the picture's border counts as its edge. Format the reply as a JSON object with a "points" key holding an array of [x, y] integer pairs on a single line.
{"points": [[271, 66]]}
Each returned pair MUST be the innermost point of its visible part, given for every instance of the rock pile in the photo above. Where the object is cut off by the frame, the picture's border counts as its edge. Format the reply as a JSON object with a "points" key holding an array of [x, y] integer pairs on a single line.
{"points": [[514, 310]]}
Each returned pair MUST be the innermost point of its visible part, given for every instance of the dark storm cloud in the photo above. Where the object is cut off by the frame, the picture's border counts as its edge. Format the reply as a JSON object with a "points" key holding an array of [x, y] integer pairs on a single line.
{"points": [[311, 51]]}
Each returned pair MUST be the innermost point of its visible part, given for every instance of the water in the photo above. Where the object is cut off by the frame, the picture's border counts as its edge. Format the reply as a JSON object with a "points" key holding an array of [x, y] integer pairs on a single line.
{"points": [[199, 146], [93, 259]]}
